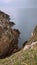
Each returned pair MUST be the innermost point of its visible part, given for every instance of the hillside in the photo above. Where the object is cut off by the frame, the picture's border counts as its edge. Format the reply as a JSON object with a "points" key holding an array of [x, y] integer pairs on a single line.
{"points": [[26, 56], [9, 44], [23, 57], [34, 35]]}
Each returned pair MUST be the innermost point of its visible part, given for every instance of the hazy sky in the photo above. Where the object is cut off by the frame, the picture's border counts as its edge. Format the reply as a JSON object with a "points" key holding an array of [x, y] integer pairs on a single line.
{"points": [[8, 5], [18, 3], [11, 6]]}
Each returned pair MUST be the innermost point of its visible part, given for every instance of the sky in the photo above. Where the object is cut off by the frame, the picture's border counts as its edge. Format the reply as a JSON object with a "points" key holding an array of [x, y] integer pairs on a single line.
{"points": [[11, 6], [19, 3], [8, 5]]}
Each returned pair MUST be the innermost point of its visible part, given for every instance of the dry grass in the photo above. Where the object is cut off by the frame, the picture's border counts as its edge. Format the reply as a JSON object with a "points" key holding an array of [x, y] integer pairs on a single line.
{"points": [[28, 57]]}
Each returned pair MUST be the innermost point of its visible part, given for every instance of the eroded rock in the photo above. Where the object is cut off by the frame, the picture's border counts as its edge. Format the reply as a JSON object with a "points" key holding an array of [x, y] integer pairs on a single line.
{"points": [[8, 36], [32, 40]]}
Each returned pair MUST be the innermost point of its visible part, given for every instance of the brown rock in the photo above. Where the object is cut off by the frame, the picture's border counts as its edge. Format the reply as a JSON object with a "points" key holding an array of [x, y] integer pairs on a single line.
{"points": [[8, 36]]}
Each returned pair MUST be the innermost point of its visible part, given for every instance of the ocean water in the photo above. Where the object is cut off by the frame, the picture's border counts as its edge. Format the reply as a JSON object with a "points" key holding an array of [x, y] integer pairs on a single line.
{"points": [[25, 20]]}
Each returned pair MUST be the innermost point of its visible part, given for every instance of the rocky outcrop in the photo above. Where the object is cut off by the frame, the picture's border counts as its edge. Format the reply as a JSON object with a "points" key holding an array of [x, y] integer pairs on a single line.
{"points": [[31, 46], [25, 43], [33, 37], [32, 41], [8, 36]]}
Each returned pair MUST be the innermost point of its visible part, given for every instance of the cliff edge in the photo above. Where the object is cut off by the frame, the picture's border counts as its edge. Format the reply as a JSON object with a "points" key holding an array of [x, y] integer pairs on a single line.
{"points": [[8, 36]]}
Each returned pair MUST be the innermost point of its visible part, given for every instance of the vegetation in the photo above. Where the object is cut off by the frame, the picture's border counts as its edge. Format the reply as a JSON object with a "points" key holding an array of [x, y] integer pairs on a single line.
{"points": [[35, 30], [2, 14], [9, 41], [23, 57]]}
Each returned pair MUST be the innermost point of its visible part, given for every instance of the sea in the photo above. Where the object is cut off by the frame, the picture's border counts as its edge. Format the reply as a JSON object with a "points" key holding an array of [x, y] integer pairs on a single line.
{"points": [[25, 20]]}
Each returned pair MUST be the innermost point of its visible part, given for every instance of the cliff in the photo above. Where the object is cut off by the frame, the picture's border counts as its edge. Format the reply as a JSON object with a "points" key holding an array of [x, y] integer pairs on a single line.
{"points": [[33, 37], [8, 36], [26, 56]]}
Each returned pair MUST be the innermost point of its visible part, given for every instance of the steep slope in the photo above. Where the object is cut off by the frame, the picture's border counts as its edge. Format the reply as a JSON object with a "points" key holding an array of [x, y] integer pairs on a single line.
{"points": [[23, 57], [26, 56], [8, 36]]}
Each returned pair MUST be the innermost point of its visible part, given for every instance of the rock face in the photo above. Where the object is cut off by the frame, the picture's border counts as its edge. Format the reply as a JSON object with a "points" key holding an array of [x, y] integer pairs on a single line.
{"points": [[8, 36], [34, 36], [30, 46], [32, 40]]}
